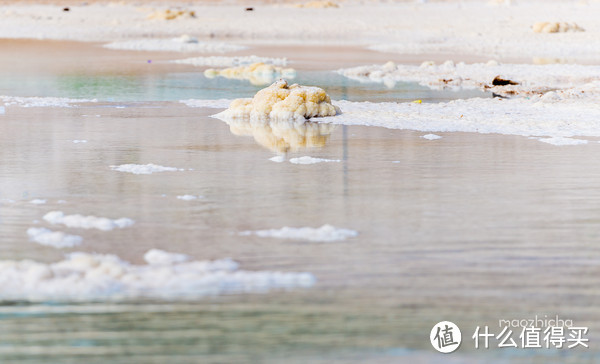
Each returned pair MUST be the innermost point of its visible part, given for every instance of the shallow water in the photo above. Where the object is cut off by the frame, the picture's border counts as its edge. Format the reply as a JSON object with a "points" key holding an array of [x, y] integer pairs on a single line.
{"points": [[468, 228], [175, 86]]}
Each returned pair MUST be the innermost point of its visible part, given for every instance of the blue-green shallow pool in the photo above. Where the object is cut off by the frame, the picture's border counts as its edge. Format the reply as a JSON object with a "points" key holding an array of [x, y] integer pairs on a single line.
{"points": [[173, 86]]}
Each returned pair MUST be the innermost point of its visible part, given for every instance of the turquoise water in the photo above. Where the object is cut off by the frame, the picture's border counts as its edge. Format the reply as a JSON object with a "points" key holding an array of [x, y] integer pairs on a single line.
{"points": [[173, 86]]}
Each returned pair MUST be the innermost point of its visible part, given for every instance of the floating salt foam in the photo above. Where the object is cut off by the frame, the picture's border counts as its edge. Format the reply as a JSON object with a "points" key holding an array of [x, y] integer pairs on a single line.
{"points": [[76, 141], [161, 257], [37, 201], [562, 141], [257, 73], [144, 168], [311, 160], [281, 101], [83, 277], [326, 233], [277, 159], [173, 45], [222, 61], [42, 101], [56, 239], [189, 197], [87, 222], [431, 137], [526, 78]]}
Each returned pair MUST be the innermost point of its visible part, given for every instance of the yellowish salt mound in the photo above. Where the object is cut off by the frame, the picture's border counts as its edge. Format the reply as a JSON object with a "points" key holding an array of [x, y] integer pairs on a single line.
{"points": [[556, 27], [318, 4], [284, 102], [257, 73], [282, 136], [171, 14]]}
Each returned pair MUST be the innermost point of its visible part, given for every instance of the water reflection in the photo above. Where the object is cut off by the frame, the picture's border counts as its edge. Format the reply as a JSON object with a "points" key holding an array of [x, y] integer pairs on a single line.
{"points": [[283, 136]]}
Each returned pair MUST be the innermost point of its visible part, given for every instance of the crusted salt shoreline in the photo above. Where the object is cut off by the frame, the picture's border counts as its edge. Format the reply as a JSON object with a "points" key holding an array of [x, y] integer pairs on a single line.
{"points": [[504, 79]]}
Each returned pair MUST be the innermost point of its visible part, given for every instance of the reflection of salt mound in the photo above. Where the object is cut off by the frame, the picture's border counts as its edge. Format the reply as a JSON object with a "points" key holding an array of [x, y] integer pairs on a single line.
{"points": [[257, 73], [282, 102], [283, 136], [95, 277], [171, 14], [319, 4], [556, 27]]}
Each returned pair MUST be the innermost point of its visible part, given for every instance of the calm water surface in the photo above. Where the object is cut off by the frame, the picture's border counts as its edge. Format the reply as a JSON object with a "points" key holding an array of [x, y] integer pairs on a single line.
{"points": [[469, 228]]}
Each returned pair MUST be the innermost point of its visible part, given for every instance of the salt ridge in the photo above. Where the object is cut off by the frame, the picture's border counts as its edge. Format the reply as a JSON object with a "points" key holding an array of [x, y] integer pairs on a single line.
{"points": [[173, 45], [223, 61]]}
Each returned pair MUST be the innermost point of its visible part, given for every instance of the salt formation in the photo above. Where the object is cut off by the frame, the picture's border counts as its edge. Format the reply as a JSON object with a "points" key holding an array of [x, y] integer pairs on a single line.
{"points": [[318, 4], [82, 277], [519, 78], [180, 44], [281, 101], [222, 61], [257, 73], [86, 222], [326, 233], [556, 27], [283, 136], [56, 239], [143, 168], [171, 14]]}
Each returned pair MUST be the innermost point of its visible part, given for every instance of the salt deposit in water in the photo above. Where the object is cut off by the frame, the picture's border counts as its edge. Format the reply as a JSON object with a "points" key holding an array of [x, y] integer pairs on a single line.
{"points": [[87, 222], [284, 102], [84, 277], [56, 239], [326, 233], [144, 168]]}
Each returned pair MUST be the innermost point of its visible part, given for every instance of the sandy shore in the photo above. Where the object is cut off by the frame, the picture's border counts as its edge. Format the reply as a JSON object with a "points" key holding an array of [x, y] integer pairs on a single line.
{"points": [[457, 28]]}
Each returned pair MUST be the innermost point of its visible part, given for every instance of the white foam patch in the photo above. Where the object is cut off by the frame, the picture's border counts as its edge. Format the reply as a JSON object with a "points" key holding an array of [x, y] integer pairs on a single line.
{"points": [[562, 141], [530, 78], [223, 61], [312, 160], [56, 239], [144, 168], [189, 197], [42, 101], [87, 222], [161, 257], [78, 141], [326, 233], [83, 277], [277, 159], [431, 137], [211, 104], [37, 201], [173, 45]]}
